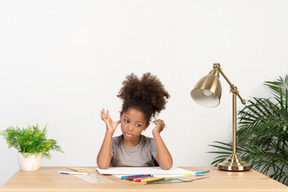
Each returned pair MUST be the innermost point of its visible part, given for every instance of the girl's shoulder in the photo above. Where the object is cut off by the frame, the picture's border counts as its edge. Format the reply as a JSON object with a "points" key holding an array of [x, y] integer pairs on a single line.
{"points": [[147, 140], [117, 140]]}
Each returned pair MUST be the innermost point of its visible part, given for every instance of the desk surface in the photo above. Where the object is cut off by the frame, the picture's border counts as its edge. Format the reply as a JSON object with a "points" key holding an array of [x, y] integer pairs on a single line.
{"points": [[48, 179]]}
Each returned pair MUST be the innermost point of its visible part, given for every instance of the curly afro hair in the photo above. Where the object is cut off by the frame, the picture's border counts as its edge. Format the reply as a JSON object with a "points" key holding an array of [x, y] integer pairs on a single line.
{"points": [[146, 95]]}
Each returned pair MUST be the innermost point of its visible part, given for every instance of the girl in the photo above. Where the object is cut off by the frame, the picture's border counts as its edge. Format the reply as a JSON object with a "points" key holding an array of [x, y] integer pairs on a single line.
{"points": [[142, 99]]}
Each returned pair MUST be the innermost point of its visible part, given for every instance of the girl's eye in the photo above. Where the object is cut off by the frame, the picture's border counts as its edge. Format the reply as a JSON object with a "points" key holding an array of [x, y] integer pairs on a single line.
{"points": [[138, 125], [126, 121]]}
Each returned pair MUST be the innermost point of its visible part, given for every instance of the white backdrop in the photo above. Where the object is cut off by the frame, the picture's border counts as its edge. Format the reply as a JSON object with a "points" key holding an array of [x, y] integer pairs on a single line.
{"points": [[61, 61]]}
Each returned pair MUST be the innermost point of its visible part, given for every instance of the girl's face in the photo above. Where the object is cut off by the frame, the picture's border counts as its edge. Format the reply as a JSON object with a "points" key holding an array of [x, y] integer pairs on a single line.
{"points": [[133, 122]]}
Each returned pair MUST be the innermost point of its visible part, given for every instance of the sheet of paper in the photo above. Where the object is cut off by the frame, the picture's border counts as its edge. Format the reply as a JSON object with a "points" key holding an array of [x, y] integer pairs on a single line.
{"points": [[96, 178], [155, 175], [175, 171]]}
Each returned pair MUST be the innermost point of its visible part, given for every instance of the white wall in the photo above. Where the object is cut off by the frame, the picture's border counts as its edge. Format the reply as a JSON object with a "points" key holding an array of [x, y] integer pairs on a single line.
{"points": [[61, 61]]}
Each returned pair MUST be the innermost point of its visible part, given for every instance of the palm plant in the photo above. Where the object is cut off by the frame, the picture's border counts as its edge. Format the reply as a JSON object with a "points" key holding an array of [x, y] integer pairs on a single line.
{"points": [[262, 136]]}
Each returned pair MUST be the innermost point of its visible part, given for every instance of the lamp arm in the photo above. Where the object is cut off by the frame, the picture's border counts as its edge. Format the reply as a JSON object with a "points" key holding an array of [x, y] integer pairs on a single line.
{"points": [[233, 88]]}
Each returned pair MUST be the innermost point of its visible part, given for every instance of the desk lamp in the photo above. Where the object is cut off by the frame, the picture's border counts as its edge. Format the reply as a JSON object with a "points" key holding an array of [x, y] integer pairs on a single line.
{"points": [[207, 92]]}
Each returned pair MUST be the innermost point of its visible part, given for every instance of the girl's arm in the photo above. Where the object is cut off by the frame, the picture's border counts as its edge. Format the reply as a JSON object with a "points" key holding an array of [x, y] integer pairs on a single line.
{"points": [[163, 157], [104, 156]]}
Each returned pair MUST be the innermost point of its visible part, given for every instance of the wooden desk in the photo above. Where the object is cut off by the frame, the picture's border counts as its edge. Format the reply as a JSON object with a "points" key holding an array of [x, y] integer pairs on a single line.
{"points": [[48, 179]]}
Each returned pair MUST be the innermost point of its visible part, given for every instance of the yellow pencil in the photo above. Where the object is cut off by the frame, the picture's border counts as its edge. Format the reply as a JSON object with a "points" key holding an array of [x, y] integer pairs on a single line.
{"points": [[152, 180]]}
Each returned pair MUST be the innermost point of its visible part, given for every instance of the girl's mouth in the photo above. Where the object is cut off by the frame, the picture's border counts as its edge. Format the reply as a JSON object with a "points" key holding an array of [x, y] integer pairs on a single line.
{"points": [[128, 135]]}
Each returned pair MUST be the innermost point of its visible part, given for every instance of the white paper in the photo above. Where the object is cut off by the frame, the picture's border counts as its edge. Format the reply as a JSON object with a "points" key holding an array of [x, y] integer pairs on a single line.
{"points": [[96, 178], [164, 176], [175, 171]]}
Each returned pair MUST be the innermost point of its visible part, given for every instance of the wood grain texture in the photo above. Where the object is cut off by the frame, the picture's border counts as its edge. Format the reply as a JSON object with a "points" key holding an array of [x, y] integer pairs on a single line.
{"points": [[48, 179]]}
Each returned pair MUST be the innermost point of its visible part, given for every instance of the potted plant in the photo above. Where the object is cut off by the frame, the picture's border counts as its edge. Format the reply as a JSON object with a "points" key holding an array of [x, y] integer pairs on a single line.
{"points": [[263, 133], [31, 144]]}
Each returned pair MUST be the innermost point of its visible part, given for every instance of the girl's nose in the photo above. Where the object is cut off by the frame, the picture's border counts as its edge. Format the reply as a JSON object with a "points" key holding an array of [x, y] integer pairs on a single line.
{"points": [[130, 127]]}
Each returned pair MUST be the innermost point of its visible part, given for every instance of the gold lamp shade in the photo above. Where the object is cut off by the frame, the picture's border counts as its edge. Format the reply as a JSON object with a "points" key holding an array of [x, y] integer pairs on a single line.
{"points": [[207, 91]]}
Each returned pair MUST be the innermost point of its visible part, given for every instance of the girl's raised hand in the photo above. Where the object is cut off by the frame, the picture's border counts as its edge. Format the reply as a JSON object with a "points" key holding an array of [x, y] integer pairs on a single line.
{"points": [[159, 126], [110, 125]]}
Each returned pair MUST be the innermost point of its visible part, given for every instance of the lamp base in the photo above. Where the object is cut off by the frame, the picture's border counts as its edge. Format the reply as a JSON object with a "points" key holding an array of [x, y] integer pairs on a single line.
{"points": [[234, 163]]}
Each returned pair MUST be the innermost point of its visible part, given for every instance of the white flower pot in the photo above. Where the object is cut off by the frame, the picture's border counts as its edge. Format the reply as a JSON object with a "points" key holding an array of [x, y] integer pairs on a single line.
{"points": [[29, 162]]}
